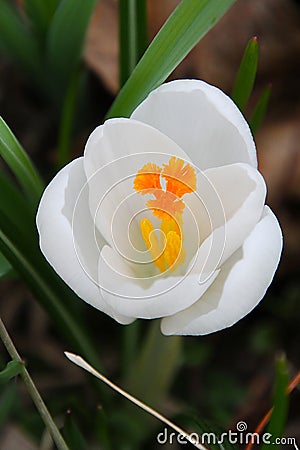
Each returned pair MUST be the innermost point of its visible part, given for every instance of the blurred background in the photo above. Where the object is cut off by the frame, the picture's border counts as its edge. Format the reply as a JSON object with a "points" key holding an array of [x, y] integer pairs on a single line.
{"points": [[225, 377]]}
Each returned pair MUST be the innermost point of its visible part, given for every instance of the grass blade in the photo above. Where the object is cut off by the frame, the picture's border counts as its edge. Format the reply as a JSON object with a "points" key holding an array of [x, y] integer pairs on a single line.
{"points": [[8, 403], [66, 37], [260, 109], [67, 120], [132, 35], [58, 300], [5, 267], [12, 369], [246, 75], [212, 434], [190, 21], [20, 164], [279, 414], [16, 40], [72, 434], [13, 204], [40, 13]]}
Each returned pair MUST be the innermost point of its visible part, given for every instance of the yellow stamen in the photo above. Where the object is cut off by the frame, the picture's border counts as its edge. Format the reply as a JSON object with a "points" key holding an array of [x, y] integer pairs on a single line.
{"points": [[168, 252], [167, 255], [152, 243], [174, 253]]}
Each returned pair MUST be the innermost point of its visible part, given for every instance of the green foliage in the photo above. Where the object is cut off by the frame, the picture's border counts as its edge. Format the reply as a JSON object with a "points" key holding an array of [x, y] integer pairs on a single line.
{"points": [[132, 35], [209, 434], [190, 21], [8, 400], [46, 42], [65, 37], [73, 435], [17, 41], [12, 369], [5, 267], [58, 300], [260, 109], [246, 75], [102, 431], [40, 14], [280, 409], [20, 164]]}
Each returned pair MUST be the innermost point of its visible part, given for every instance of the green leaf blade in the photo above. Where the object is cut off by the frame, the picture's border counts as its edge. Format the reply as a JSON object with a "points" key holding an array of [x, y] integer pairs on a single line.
{"points": [[5, 267], [260, 109], [132, 35], [190, 21], [16, 40], [246, 75], [40, 13], [23, 253], [281, 401], [12, 369], [72, 434], [20, 164], [66, 37]]}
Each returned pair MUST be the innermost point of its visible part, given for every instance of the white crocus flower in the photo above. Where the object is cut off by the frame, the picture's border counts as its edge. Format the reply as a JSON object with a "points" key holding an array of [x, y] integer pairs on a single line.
{"points": [[164, 216]]}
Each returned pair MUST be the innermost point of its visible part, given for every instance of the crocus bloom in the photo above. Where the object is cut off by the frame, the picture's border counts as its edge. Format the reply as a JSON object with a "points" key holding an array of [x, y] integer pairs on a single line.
{"points": [[164, 216]]}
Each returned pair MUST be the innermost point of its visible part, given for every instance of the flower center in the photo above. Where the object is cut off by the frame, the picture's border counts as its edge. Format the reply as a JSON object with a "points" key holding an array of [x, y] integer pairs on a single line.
{"points": [[167, 251]]}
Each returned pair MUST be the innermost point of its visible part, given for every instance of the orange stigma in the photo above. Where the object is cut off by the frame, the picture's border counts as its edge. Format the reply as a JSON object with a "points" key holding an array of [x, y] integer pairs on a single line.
{"points": [[167, 252]]}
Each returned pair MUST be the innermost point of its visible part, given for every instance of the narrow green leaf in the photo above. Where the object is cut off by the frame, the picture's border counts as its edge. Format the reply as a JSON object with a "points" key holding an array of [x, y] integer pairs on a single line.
{"points": [[260, 109], [66, 37], [5, 267], [16, 40], [12, 369], [102, 430], [281, 400], [8, 400], [132, 35], [72, 434], [40, 13], [67, 120], [190, 21], [20, 164], [14, 205], [210, 435], [246, 75], [58, 300]]}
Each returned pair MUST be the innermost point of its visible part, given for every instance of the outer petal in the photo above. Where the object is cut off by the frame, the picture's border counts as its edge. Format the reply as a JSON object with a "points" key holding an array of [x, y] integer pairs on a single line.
{"points": [[70, 248], [227, 206], [242, 283], [144, 298], [202, 120]]}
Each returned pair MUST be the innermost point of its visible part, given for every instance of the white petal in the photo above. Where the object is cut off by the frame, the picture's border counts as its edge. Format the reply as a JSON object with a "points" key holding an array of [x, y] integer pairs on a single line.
{"points": [[228, 204], [240, 286], [202, 120], [144, 298], [70, 247], [114, 153]]}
